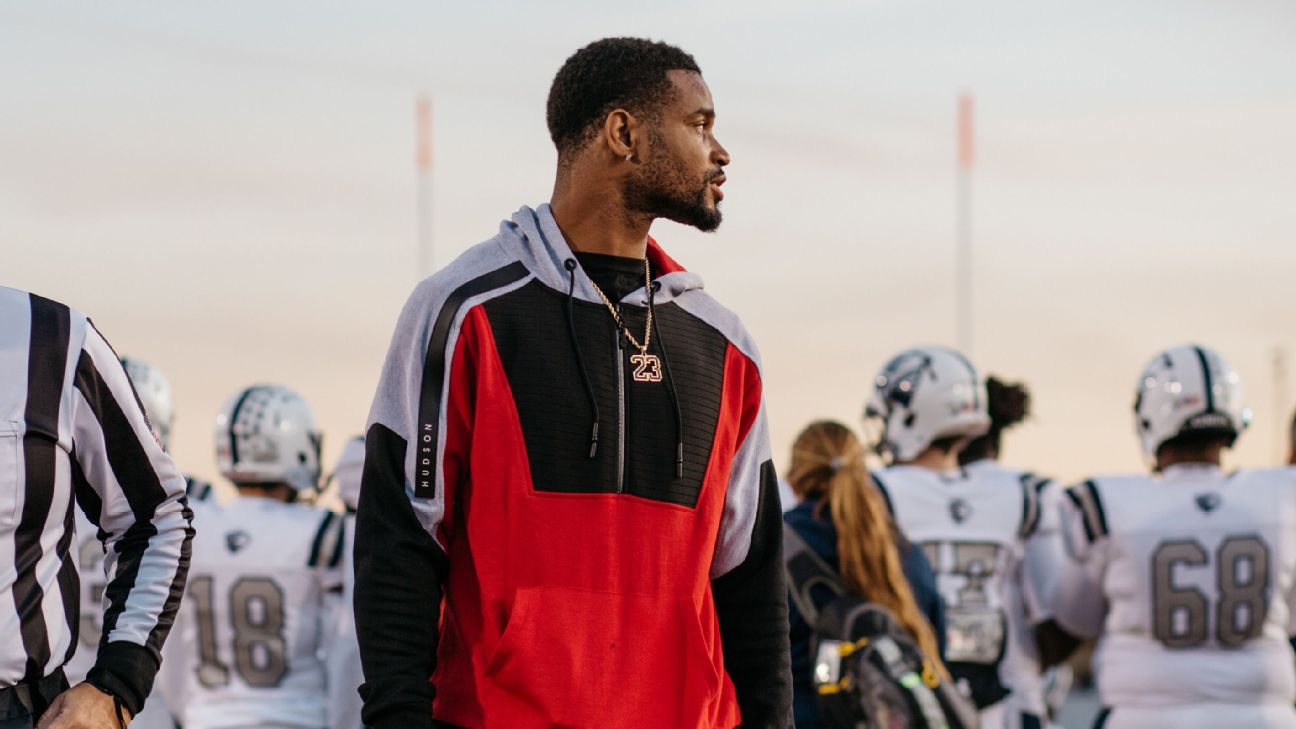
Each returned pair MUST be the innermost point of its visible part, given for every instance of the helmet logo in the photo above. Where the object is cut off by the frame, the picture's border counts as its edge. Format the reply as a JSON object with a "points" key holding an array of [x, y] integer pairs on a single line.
{"points": [[899, 387], [960, 510]]}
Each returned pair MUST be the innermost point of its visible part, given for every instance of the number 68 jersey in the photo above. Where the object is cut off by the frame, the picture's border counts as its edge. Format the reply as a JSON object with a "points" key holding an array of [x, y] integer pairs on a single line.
{"points": [[263, 581], [1188, 578]]}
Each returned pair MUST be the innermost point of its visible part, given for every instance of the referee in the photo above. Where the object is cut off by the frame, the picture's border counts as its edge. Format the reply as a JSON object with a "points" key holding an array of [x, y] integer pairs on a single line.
{"points": [[72, 427]]}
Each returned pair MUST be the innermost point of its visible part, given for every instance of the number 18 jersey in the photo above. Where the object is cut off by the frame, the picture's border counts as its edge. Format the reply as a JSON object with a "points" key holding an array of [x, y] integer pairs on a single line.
{"points": [[1188, 578], [247, 644]]}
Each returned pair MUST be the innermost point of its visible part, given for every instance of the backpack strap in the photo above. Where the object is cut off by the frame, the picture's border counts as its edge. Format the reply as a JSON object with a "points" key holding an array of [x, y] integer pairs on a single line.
{"points": [[804, 571], [882, 489], [928, 704]]}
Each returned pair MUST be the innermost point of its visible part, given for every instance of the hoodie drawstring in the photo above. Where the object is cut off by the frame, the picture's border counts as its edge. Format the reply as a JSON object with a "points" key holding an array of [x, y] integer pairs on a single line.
{"points": [[670, 386], [570, 265]]}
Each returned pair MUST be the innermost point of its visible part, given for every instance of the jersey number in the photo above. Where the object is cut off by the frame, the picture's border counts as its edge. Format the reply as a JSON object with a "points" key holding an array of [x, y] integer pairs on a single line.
{"points": [[257, 619], [1180, 615]]}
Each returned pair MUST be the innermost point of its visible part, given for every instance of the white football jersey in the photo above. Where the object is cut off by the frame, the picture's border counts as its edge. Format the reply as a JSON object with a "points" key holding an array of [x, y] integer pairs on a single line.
{"points": [[975, 525], [1188, 578], [248, 643]]}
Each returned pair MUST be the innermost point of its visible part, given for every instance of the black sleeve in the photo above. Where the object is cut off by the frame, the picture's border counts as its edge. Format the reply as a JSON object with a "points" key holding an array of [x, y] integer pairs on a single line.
{"points": [[751, 604], [124, 670], [400, 571]]}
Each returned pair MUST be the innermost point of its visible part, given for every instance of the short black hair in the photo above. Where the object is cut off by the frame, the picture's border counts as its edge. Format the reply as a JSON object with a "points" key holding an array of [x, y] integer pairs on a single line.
{"points": [[1196, 441], [1009, 404], [629, 73]]}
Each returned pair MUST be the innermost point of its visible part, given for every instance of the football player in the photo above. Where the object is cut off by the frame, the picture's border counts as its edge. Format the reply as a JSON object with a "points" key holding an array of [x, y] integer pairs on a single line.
{"points": [[343, 656], [1186, 575], [254, 624], [974, 525]]}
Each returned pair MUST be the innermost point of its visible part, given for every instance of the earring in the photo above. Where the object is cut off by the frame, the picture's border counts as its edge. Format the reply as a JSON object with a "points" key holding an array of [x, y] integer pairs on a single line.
{"points": [[629, 156]]}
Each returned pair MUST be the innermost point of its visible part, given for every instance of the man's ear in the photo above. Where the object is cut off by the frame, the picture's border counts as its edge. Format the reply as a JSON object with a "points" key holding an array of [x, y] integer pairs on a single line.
{"points": [[621, 132]]}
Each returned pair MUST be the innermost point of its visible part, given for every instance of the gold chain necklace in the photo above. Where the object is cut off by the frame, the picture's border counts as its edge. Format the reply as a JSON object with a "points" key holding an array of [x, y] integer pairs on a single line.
{"points": [[647, 366]]}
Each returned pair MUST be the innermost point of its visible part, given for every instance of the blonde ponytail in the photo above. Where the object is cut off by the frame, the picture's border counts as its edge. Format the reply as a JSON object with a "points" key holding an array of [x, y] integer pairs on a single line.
{"points": [[828, 462]]}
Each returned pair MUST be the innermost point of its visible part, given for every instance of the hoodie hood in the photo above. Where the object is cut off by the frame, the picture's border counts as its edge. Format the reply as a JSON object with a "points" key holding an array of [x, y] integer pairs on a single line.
{"points": [[532, 237]]}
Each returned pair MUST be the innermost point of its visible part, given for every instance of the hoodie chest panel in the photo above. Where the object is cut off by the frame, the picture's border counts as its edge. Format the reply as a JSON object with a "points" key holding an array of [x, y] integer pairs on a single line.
{"points": [[637, 430]]}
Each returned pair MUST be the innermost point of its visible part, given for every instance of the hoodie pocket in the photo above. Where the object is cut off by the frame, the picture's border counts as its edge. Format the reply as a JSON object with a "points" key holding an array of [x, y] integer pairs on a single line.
{"points": [[575, 659]]}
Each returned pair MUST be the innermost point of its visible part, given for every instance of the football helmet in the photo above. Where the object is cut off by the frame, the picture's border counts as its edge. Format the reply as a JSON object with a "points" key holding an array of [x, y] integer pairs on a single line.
{"points": [[155, 395], [1187, 389], [922, 395], [267, 434]]}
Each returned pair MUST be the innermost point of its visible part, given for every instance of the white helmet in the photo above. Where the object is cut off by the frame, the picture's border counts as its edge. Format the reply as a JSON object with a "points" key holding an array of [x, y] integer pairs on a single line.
{"points": [[1187, 389], [155, 395], [925, 394], [346, 474], [267, 434]]}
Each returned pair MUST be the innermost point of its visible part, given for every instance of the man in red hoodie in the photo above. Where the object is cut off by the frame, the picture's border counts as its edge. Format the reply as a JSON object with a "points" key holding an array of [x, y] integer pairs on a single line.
{"points": [[568, 515]]}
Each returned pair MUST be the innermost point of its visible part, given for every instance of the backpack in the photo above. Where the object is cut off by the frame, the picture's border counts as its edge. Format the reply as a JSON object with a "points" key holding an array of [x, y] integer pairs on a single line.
{"points": [[868, 671]]}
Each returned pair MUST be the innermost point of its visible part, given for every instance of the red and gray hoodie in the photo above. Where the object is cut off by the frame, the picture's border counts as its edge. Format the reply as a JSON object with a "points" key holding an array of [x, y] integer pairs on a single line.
{"points": [[545, 541]]}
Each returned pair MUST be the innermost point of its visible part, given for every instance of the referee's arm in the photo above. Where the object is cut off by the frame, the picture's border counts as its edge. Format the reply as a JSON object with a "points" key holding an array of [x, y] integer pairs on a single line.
{"points": [[132, 491]]}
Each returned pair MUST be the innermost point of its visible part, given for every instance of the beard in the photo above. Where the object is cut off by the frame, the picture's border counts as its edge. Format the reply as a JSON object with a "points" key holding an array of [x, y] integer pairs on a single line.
{"points": [[662, 188]]}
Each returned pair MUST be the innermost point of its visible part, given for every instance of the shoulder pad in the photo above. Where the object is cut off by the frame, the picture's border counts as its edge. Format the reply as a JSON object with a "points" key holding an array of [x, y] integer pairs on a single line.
{"points": [[1032, 486], [1087, 500], [326, 549], [197, 489]]}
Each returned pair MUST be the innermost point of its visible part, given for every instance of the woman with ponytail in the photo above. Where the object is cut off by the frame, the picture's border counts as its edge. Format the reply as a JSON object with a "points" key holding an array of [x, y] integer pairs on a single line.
{"points": [[844, 519]]}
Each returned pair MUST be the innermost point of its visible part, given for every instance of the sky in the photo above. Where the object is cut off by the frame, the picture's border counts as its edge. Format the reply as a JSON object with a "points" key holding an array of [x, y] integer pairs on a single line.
{"points": [[229, 189]]}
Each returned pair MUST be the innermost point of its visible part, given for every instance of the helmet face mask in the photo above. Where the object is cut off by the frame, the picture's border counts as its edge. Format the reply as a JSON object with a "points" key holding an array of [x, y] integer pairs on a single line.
{"points": [[874, 427], [923, 395], [1184, 390], [267, 434]]}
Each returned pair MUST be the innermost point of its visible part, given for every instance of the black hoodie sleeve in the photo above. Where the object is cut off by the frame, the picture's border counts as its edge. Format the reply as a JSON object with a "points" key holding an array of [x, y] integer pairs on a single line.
{"points": [[751, 604], [400, 571]]}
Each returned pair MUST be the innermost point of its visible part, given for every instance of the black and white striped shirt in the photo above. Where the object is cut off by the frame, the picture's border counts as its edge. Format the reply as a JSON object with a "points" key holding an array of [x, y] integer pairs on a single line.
{"points": [[71, 428]]}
